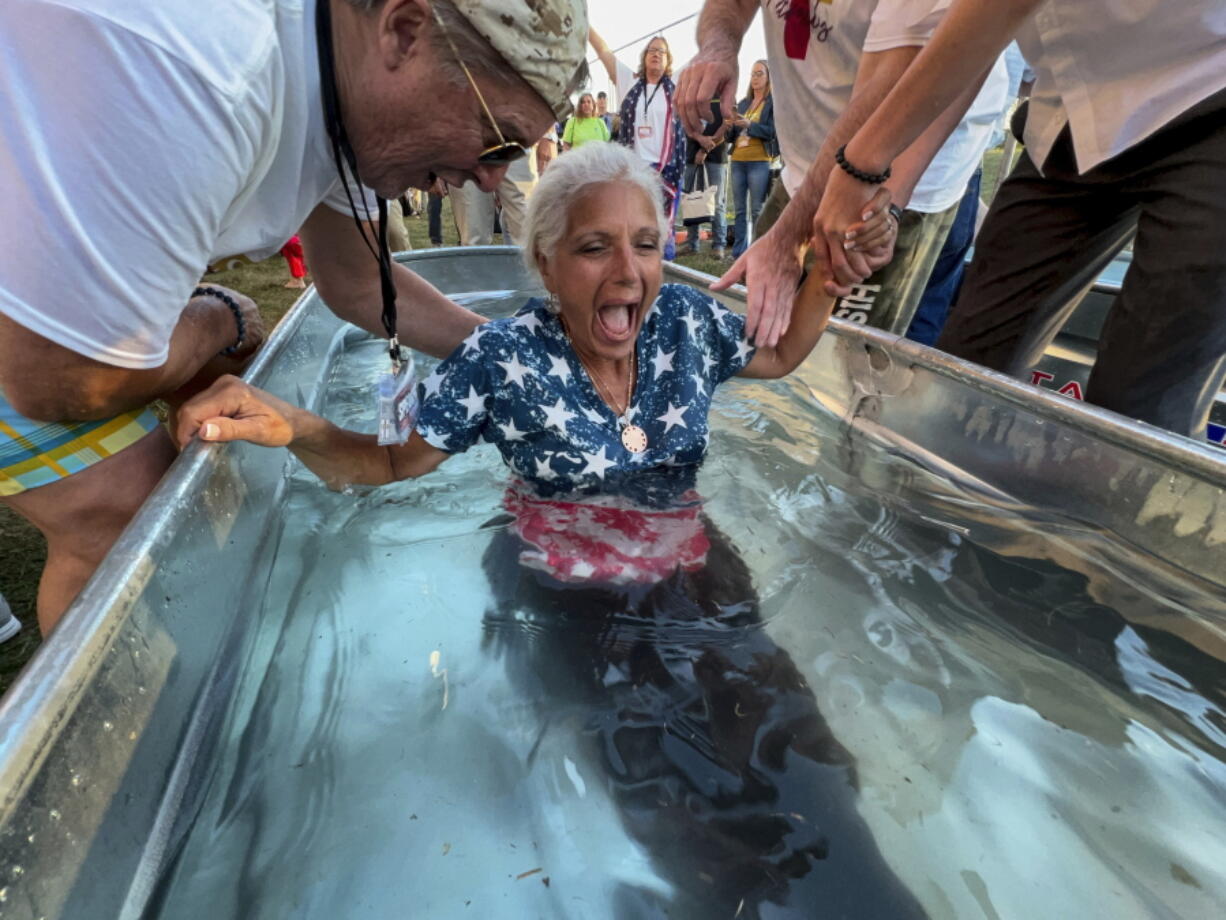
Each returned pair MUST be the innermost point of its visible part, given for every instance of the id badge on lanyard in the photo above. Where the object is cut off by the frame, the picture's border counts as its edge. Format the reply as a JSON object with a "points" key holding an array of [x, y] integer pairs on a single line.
{"points": [[645, 130], [398, 403]]}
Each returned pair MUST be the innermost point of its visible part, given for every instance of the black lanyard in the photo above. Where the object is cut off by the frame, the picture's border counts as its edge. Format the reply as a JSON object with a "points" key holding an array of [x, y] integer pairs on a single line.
{"points": [[647, 102], [342, 156]]}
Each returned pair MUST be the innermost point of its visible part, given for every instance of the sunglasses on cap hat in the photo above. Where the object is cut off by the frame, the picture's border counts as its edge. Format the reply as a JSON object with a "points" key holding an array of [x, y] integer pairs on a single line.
{"points": [[504, 151]]}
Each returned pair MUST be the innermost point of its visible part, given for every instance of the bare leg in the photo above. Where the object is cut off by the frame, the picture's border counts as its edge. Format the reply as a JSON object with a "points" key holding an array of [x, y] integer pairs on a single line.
{"points": [[83, 515]]}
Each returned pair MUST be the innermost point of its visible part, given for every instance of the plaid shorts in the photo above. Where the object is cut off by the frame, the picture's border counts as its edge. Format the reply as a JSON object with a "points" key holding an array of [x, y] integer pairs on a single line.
{"points": [[34, 453]]}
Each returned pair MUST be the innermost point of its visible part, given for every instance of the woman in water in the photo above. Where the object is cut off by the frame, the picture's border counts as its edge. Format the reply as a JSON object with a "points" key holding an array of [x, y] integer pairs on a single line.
{"points": [[614, 595]]}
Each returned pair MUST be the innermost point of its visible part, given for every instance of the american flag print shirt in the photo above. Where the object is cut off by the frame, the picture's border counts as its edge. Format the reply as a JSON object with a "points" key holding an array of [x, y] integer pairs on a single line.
{"points": [[518, 384]]}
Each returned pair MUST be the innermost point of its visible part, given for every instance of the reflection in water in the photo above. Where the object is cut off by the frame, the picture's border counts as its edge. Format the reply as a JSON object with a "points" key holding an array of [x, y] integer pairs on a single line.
{"points": [[714, 750], [1035, 712]]}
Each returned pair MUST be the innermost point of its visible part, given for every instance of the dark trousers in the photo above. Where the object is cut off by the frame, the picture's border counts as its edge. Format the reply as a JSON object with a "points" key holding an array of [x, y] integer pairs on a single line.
{"points": [[434, 218], [1162, 351], [948, 271]]}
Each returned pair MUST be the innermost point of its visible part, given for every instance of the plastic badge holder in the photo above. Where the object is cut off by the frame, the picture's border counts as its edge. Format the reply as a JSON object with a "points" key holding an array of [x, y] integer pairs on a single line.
{"points": [[398, 404]]}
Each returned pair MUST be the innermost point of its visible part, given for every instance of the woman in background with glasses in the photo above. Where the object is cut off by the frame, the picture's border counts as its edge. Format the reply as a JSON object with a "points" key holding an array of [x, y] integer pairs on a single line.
{"points": [[753, 148], [649, 123]]}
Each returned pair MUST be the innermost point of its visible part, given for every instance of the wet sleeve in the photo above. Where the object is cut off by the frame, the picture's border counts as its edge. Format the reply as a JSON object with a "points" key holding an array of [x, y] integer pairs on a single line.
{"points": [[456, 398]]}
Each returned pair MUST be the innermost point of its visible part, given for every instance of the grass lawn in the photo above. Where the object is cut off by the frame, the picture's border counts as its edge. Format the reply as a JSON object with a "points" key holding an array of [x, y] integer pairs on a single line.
{"points": [[22, 549]]}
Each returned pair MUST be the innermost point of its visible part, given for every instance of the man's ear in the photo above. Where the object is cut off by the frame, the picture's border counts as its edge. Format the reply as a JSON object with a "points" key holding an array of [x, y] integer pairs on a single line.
{"points": [[402, 26]]}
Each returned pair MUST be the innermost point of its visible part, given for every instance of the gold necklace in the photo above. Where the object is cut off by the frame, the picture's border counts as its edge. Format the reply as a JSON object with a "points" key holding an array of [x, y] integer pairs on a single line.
{"points": [[634, 438]]}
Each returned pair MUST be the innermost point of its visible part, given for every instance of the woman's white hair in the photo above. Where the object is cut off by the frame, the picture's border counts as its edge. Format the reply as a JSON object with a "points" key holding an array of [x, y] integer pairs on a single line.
{"points": [[566, 180]]}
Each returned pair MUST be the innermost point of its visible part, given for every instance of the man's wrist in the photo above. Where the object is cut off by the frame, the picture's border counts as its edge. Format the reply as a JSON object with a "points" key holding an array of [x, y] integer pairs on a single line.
{"points": [[719, 43], [236, 314], [217, 320], [861, 154]]}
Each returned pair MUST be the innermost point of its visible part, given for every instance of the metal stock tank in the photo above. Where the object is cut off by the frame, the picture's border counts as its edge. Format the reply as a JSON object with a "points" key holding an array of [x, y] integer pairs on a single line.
{"points": [[119, 742]]}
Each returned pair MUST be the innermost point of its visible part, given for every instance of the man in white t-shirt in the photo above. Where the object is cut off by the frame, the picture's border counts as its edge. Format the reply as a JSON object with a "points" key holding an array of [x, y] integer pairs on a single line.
{"points": [[1126, 133], [141, 141], [831, 63]]}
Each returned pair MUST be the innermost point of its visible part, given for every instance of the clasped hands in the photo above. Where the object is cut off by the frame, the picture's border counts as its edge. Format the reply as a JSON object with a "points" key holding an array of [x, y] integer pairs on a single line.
{"points": [[852, 233]]}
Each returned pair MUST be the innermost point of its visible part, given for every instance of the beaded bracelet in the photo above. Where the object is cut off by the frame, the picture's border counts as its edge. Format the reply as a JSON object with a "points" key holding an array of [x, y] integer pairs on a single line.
{"points": [[234, 308], [871, 178]]}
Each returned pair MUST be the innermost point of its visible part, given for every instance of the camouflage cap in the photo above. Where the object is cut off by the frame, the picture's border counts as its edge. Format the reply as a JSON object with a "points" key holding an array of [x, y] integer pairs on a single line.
{"points": [[543, 40]]}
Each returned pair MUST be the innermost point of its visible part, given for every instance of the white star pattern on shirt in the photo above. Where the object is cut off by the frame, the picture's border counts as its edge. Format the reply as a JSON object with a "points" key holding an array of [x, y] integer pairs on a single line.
{"points": [[557, 415], [432, 384], [692, 324], [474, 403], [699, 381], [511, 433], [473, 342], [543, 469], [593, 415], [598, 464], [528, 321], [674, 416], [707, 363], [558, 368], [743, 349], [664, 361], [515, 370]]}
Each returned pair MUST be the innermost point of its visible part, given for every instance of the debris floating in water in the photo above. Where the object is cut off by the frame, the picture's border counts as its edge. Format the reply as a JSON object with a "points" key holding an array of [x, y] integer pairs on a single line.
{"points": [[523, 875], [435, 671]]}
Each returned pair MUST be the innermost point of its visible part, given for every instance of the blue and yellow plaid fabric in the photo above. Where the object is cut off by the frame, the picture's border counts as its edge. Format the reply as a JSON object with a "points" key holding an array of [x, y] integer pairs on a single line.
{"points": [[35, 453]]}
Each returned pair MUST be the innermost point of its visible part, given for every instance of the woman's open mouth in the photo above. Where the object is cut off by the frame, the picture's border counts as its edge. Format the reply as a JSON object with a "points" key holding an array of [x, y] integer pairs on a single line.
{"points": [[616, 321]]}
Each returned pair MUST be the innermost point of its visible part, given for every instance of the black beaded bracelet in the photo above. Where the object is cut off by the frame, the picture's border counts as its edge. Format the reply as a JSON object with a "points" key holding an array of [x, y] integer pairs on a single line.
{"points": [[234, 308], [871, 178]]}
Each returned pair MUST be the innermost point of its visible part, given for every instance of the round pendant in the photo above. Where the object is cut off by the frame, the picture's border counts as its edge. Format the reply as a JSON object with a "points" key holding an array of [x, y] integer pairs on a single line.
{"points": [[634, 439]]}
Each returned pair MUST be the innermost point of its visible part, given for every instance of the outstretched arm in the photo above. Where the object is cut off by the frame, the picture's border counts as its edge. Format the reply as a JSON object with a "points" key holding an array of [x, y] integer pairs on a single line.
{"points": [[972, 35], [347, 277], [713, 71], [833, 248], [771, 266], [601, 47], [809, 315], [45, 380], [232, 410]]}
